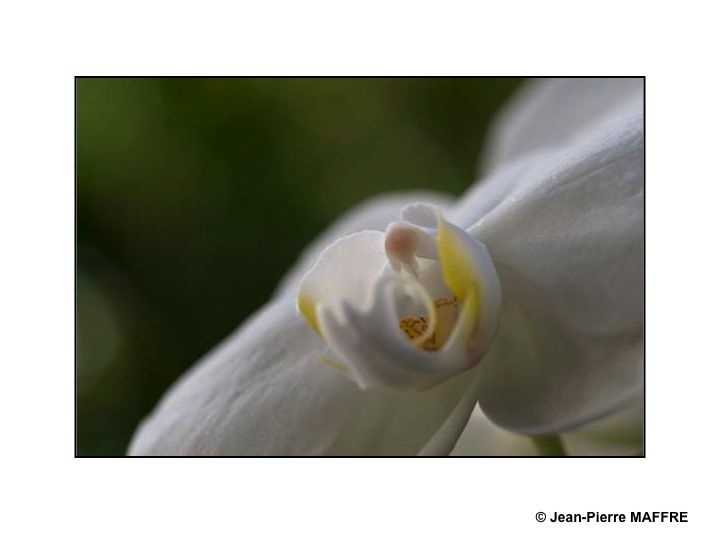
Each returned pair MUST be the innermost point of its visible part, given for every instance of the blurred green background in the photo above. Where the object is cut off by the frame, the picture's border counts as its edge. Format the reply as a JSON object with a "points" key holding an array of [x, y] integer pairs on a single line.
{"points": [[194, 196]]}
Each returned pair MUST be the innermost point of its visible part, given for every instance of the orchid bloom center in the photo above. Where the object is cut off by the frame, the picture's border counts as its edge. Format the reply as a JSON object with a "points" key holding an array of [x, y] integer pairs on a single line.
{"points": [[407, 308], [431, 337]]}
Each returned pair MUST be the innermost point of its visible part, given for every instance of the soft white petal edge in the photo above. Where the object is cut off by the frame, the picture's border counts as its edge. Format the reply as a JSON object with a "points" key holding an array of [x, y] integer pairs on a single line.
{"points": [[556, 111], [345, 271], [266, 392]]}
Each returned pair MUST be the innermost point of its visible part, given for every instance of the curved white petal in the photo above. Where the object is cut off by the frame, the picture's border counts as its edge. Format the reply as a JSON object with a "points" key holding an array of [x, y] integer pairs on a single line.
{"points": [[553, 112], [265, 392], [467, 266], [546, 116], [372, 346], [345, 271], [567, 241]]}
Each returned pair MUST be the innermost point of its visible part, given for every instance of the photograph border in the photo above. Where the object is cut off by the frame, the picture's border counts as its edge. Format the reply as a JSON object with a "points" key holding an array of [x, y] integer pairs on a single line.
{"points": [[75, 381]]}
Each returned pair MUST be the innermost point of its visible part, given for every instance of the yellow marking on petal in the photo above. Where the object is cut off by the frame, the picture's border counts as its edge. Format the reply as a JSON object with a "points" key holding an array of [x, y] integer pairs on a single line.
{"points": [[456, 268], [307, 307], [331, 363], [458, 272], [470, 315]]}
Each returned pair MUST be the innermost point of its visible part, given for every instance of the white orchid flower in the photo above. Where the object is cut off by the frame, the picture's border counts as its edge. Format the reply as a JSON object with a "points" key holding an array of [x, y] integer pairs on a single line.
{"points": [[407, 309], [525, 297]]}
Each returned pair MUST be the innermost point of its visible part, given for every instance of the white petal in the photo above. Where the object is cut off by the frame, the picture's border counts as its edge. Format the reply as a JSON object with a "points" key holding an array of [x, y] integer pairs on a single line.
{"points": [[567, 241], [547, 116], [421, 214], [266, 392], [553, 112], [345, 271]]}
